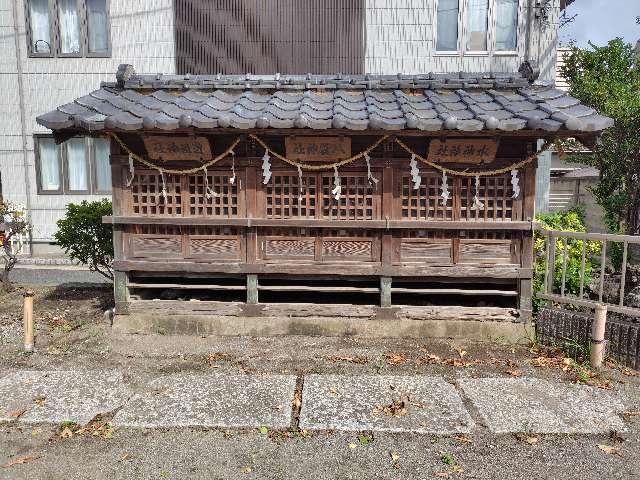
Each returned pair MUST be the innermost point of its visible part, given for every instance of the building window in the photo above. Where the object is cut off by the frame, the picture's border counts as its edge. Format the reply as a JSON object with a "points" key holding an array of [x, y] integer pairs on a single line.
{"points": [[68, 28], [78, 166], [448, 12], [506, 25], [476, 26]]}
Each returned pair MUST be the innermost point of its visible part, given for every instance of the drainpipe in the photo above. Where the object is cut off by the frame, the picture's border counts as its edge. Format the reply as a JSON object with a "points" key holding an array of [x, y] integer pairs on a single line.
{"points": [[530, 8], [23, 122]]}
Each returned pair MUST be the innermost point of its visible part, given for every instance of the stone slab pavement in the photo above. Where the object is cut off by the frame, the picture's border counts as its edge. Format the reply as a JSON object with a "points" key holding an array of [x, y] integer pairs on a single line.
{"points": [[211, 400], [387, 403], [58, 396], [540, 406]]}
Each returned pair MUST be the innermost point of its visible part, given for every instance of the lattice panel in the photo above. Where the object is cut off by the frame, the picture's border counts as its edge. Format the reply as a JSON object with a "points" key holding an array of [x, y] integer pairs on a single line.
{"points": [[494, 192], [147, 198], [358, 200], [286, 198], [426, 202], [224, 201]]}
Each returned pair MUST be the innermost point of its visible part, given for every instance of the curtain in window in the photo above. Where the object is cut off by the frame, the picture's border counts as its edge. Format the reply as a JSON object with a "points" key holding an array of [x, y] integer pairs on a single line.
{"points": [[77, 164], [103, 169], [40, 26], [49, 164], [506, 25], [477, 19], [447, 40], [69, 26], [97, 26]]}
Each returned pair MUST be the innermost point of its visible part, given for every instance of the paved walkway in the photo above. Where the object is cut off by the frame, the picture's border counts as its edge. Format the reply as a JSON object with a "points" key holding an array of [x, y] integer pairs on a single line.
{"points": [[419, 404]]}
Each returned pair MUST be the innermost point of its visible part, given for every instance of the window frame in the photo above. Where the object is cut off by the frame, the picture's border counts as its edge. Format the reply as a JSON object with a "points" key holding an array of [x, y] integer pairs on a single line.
{"points": [[463, 30], [54, 32], [94, 168], [29, 33], [63, 168], [37, 138]]}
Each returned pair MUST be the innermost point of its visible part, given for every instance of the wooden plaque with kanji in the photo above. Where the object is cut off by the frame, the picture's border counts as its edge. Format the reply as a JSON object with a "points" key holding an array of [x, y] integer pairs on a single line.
{"points": [[171, 148], [311, 149], [472, 151]]}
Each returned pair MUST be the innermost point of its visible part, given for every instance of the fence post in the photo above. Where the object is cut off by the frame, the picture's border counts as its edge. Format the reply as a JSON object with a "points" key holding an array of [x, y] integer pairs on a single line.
{"points": [[28, 320], [597, 336]]}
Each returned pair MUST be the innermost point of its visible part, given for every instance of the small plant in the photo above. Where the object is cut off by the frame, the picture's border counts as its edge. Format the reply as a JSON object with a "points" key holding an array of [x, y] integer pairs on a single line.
{"points": [[570, 221], [365, 439], [14, 222], [447, 459], [84, 237]]}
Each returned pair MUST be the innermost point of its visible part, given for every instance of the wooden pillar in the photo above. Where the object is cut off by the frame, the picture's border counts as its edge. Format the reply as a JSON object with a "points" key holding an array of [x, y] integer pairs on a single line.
{"points": [[120, 204], [385, 291], [251, 202], [525, 292], [252, 289]]}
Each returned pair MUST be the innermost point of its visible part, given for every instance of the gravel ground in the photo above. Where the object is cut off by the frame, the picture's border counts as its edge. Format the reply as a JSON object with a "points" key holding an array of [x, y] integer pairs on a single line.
{"points": [[200, 454], [73, 334]]}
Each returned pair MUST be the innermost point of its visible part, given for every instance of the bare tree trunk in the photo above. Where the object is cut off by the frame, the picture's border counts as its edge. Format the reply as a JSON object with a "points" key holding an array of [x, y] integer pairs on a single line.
{"points": [[10, 260]]}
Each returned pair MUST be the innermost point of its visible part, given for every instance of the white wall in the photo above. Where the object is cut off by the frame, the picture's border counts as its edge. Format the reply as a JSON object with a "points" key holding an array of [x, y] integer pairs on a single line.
{"points": [[400, 38], [141, 34]]}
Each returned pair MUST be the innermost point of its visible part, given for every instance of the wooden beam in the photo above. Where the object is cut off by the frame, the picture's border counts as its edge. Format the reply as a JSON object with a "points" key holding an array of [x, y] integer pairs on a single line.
{"points": [[321, 223]]}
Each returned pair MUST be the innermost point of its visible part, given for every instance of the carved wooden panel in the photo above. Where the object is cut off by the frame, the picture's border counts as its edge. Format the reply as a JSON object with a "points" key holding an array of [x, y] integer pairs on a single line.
{"points": [[156, 246], [426, 246], [291, 243], [350, 245], [147, 197], [221, 199], [286, 198], [495, 194], [425, 203], [215, 243], [358, 200]]}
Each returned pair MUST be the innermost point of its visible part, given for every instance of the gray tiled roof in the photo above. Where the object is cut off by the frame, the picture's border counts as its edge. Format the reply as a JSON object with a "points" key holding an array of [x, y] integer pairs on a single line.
{"points": [[431, 102]]}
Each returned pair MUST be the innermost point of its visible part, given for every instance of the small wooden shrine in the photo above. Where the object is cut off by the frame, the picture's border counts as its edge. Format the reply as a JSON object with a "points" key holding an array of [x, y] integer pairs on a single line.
{"points": [[253, 195]]}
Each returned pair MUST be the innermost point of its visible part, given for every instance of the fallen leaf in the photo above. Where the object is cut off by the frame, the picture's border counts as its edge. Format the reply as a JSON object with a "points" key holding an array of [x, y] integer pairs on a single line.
{"points": [[463, 439], [66, 433], [39, 400], [297, 400], [333, 391], [20, 461], [514, 373], [246, 470], [462, 352], [428, 359], [358, 359], [395, 456], [124, 457], [631, 413], [526, 438], [263, 430], [17, 413], [397, 408], [353, 445], [610, 450], [393, 358]]}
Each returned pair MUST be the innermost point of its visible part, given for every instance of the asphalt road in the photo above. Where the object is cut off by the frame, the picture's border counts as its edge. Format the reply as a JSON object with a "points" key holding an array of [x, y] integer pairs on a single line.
{"points": [[54, 276]]}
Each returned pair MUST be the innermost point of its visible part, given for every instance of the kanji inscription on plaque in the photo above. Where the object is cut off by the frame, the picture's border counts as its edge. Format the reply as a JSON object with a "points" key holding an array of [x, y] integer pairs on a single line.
{"points": [[177, 148], [473, 151], [318, 148]]}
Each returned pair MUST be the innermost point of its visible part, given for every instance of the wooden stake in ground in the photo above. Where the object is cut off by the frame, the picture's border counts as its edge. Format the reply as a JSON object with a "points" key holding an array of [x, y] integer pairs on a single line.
{"points": [[597, 336], [28, 321]]}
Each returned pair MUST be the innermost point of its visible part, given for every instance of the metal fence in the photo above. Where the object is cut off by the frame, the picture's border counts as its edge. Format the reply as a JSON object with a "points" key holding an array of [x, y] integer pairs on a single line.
{"points": [[572, 325]]}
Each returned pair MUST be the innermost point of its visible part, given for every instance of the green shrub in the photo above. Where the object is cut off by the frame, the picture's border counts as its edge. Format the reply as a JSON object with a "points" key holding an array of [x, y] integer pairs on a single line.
{"points": [[569, 221], [84, 237]]}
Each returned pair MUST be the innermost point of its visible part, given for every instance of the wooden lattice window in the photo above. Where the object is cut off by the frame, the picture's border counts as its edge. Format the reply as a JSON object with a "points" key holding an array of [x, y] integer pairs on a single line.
{"points": [[425, 203], [223, 200], [358, 201], [495, 194], [147, 198], [154, 229], [286, 199]]}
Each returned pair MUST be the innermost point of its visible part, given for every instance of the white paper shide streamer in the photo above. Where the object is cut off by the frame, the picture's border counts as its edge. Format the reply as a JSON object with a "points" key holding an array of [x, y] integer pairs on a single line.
{"points": [[337, 188], [232, 180], [446, 195], [299, 185], [477, 204], [372, 180], [266, 168], [164, 187], [515, 181], [415, 173]]}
